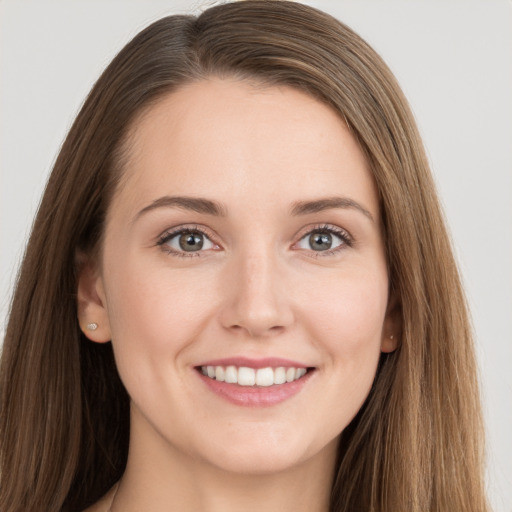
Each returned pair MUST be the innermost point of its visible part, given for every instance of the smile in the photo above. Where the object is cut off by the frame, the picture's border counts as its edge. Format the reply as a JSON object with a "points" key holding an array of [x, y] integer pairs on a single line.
{"points": [[255, 382], [262, 377]]}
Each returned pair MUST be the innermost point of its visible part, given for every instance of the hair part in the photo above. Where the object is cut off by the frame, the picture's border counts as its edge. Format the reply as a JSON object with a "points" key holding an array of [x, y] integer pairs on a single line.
{"points": [[416, 444]]}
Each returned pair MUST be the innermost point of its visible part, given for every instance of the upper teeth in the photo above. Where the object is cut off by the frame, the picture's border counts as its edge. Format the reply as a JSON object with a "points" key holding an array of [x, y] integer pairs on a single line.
{"points": [[244, 376]]}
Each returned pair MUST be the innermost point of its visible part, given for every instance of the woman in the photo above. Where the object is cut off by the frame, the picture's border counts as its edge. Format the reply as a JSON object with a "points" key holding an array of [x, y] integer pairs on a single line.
{"points": [[239, 291]]}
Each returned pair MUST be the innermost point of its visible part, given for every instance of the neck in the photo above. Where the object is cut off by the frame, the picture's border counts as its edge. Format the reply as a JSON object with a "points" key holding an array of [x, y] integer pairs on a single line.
{"points": [[161, 477]]}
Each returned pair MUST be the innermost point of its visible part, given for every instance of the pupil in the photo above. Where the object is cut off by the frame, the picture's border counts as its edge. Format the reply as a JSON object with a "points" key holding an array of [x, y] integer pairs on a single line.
{"points": [[191, 242], [320, 241]]}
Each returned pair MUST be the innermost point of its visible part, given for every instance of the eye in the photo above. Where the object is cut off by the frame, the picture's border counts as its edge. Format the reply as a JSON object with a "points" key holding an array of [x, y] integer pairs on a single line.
{"points": [[325, 239], [186, 241]]}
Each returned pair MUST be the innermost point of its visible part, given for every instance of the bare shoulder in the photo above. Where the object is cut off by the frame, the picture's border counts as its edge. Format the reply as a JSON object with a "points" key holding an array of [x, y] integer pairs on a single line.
{"points": [[103, 504]]}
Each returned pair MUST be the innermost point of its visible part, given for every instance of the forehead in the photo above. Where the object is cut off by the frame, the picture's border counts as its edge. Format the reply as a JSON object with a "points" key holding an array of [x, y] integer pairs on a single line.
{"points": [[220, 138]]}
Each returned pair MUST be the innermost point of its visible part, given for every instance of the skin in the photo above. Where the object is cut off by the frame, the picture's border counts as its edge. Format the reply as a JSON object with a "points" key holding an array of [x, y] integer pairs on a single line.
{"points": [[257, 289]]}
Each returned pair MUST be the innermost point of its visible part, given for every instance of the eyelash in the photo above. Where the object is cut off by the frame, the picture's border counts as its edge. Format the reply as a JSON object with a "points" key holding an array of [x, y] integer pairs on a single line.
{"points": [[169, 235], [164, 238], [346, 238]]}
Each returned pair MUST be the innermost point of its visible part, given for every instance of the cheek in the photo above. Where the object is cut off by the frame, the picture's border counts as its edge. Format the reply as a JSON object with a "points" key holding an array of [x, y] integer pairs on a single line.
{"points": [[156, 315], [346, 321], [155, 311], [349, 308]]}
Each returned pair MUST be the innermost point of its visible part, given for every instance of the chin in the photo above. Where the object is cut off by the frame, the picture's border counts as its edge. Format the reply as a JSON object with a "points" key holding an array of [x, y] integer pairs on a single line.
{"points": [[258, 463], [267, 454]]}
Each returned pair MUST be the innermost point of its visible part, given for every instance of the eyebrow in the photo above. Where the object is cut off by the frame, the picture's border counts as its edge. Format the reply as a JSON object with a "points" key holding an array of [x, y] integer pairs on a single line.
{"points": [[209, 207], [195, 204], [306, 207]]}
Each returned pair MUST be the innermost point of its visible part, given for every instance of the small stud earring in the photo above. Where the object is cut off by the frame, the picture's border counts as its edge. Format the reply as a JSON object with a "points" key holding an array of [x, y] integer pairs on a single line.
{"points": [[92, 326], [391, 337]]}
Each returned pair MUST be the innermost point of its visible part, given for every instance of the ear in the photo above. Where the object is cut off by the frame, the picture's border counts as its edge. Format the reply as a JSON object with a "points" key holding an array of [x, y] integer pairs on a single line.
{"points": [[392, 328], [91, 302]]}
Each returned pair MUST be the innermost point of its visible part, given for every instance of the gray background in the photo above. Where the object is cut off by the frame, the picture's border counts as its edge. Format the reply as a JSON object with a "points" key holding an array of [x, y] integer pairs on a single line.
{"points": [[454, 61]]}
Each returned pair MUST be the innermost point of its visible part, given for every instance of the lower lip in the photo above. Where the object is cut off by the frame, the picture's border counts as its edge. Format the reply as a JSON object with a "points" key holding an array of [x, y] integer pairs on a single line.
{"points": [[256, 396]]}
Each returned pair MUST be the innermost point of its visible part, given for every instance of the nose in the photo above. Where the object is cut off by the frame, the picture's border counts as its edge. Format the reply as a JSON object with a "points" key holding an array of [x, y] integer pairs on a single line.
{"points": [[257, 302]]}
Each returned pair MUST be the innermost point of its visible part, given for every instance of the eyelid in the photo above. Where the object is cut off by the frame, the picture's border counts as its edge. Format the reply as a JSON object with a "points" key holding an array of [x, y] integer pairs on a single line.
{"points": [[343, 234], [170, 233], [346, 238]]}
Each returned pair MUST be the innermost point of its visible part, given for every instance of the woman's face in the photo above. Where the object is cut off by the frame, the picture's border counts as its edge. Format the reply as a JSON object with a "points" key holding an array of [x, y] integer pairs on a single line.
{"points": [[244, 242]]}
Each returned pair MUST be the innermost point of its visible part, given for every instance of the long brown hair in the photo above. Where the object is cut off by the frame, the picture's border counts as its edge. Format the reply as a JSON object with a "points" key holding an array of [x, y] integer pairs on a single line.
{"points": [[415, 446]]}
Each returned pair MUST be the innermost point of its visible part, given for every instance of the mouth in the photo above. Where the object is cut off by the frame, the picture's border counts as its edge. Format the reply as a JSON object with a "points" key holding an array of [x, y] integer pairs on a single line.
{"points": [[245, 376], [255, 387], [255, 382]]}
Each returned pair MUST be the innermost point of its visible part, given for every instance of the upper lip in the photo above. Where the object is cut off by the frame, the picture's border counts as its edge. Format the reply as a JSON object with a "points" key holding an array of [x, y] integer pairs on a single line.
{"points": [[273, 362]]}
